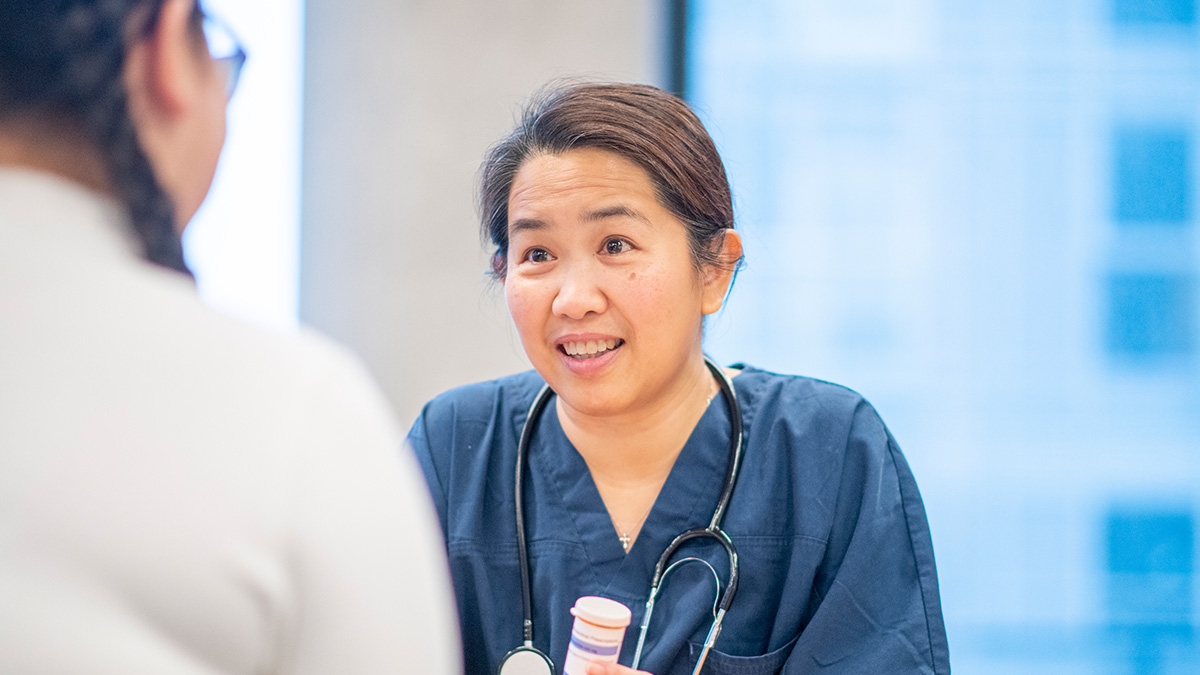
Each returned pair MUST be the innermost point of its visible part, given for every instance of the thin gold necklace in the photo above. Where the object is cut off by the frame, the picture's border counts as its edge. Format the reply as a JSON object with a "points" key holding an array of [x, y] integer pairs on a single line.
{"points": [[622, 532]]}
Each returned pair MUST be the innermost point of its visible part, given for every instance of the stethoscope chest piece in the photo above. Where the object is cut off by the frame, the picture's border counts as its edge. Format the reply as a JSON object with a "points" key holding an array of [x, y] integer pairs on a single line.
{"points": [[526, 661]]}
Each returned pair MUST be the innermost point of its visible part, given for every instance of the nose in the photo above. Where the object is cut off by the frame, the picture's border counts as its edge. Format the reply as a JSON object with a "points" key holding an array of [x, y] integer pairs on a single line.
{"points": [[579, 293]]}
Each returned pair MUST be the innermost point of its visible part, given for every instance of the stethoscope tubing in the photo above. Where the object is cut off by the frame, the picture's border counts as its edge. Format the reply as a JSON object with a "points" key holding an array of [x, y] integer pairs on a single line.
{"points": [[735, 445], [713, 530], [535, 410]]}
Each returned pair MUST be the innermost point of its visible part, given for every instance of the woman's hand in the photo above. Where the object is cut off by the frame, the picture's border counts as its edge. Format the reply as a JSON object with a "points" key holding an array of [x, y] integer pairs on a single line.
{"points": [[596, 668]]}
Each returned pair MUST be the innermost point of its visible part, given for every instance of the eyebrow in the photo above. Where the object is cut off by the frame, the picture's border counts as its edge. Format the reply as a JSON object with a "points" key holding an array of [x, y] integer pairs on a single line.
{"points": [[522, 224], [616, 211]]}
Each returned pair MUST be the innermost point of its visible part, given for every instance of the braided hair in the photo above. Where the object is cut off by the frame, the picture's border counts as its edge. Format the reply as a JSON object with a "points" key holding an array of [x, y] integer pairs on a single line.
{"points": [[64, 59]]}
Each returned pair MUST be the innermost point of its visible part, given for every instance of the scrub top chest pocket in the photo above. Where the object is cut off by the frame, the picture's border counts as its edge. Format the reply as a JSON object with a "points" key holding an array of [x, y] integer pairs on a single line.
{"points": [[719, 663]]}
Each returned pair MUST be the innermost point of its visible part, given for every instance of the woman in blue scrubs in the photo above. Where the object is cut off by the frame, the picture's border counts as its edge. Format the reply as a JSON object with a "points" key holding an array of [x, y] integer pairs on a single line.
{"points": [[612, 220]]}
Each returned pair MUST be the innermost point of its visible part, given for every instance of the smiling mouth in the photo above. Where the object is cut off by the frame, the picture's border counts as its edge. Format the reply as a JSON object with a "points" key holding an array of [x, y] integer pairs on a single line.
{"points": [[590, 349]]}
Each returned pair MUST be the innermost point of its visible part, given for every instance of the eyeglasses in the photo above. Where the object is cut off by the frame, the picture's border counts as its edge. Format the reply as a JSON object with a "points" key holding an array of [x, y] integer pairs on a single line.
{"points": [[225, 49]]}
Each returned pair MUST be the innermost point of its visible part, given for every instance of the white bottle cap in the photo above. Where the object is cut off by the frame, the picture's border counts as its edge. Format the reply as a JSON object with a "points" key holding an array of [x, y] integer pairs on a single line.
{"points": [[602, 612]]}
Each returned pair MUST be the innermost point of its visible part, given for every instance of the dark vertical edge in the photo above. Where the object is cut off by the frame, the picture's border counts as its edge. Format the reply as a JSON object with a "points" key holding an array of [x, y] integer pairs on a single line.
{"points": [[677, 51]]}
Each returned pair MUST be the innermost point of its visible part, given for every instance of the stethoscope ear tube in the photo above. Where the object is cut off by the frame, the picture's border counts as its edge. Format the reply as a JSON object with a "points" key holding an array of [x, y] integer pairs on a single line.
{"points": [[713, 632]]}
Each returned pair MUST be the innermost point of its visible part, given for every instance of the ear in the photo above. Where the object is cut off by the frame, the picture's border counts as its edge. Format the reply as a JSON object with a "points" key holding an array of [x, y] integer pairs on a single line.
{"points": [[160, 68], [718, 277], [499, 267]]}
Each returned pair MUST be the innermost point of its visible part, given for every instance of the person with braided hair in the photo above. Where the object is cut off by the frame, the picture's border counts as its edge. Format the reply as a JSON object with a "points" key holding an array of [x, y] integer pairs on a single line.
{"points": [[179, 492]]}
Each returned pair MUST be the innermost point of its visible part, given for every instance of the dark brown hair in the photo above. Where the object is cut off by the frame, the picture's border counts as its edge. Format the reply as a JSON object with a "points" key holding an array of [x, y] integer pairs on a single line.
{"points": [[64, 59], [646, 125]]}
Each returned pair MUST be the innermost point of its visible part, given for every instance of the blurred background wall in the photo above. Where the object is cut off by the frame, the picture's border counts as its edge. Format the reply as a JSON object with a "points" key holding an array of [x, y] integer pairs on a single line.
{"points": [[402, 100], [981, 214]]}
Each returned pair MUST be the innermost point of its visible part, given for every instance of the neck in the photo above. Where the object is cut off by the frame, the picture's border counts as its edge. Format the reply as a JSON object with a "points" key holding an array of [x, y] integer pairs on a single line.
{"points": [[53, 148], [638, 447]]}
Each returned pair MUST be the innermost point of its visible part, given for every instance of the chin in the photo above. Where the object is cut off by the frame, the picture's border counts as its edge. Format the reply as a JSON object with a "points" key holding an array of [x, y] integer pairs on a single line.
{"points": [[590, 400]]}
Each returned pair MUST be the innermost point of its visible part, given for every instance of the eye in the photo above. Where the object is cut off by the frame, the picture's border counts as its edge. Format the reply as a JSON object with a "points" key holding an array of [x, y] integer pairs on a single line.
{"points": [[537, 255], [616, 246]]}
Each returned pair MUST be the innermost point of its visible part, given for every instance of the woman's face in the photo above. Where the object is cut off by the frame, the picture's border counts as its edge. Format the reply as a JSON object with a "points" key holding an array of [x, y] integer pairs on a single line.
{"points": [[600, 282]]}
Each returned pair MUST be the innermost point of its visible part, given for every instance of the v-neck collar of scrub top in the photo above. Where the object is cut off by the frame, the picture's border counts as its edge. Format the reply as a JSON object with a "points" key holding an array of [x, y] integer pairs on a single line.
{"points": [[686, 501]]}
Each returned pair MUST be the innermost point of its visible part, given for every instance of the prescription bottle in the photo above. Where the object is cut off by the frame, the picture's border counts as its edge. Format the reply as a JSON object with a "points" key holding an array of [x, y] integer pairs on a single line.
{"points": [[597, 634]]}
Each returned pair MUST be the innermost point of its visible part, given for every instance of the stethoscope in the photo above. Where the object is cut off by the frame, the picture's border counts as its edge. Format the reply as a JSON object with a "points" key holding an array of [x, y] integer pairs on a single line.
{"points": [[529, 660]]}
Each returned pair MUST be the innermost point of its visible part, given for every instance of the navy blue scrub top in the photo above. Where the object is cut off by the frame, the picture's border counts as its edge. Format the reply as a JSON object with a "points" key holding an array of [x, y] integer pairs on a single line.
{"points": [[836, 565]]}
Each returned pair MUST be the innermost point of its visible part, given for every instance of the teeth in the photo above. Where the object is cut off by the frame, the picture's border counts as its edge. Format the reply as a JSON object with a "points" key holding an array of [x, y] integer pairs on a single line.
{"points": [[590, 348]]}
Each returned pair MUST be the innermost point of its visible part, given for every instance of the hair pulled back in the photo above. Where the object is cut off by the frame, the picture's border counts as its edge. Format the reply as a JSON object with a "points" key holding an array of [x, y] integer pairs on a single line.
{"points": [[643, 124], [64, 60]]}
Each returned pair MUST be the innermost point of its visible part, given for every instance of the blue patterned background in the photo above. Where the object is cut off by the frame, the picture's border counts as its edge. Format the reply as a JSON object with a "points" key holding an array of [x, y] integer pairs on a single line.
{"points": [[981, 215]]}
